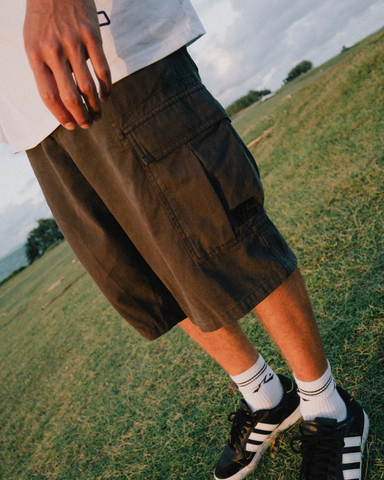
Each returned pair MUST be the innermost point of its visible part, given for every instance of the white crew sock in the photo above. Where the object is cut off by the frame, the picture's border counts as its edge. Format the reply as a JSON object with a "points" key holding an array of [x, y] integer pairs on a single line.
{"points": [[320, 398], [260, 386]]}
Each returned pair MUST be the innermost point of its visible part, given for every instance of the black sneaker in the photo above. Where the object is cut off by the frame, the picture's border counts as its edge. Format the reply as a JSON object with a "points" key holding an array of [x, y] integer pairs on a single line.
{"points": [[251, 434], [331, 450]]}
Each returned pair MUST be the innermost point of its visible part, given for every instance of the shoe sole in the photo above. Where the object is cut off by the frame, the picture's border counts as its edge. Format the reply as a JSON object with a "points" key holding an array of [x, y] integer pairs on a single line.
{"points": [[364, 436], [288, 422]]}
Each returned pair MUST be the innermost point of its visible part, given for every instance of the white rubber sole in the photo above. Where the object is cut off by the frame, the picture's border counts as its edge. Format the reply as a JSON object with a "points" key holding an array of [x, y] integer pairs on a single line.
{"points": [[364, 436]]}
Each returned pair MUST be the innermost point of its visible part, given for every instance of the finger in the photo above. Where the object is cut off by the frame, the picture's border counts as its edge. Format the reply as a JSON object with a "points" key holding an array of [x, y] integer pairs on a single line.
{"points": [[86, 87], [49, 93], [70, 95], [101, 69]]}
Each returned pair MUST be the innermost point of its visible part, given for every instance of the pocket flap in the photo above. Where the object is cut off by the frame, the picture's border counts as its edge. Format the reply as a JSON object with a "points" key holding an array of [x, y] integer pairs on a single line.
{"points": [[174, 123]]}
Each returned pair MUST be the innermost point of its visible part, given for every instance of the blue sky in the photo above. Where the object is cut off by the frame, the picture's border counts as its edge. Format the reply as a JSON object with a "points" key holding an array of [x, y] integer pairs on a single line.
{"points": [[250, 44]]}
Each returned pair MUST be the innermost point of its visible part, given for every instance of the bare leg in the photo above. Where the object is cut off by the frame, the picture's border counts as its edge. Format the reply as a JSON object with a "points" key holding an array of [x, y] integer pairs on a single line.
{"points": [[288, 317], [229, 346]]}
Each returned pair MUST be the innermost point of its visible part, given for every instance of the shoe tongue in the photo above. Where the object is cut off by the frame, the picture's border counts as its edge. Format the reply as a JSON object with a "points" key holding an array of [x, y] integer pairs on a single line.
{"points": [[319, 426], [244, 405]]}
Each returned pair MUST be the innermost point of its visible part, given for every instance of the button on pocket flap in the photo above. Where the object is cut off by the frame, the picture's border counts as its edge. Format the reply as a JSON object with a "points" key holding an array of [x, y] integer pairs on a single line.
{"points": [[174, 123]]}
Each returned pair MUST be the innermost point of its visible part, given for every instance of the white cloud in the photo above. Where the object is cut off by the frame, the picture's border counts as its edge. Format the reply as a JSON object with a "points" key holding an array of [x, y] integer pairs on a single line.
{"points": [[17, 180], [21, 200], [264, 40], [16, 221], [250, 44]]}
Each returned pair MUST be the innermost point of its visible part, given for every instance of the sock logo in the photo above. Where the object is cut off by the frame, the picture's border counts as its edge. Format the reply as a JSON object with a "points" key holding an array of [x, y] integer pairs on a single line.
{"points": [[266, 379]]}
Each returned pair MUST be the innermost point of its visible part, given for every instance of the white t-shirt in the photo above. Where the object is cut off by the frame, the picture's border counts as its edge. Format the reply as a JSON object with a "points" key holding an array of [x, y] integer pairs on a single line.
{"points": [[135, 33]]}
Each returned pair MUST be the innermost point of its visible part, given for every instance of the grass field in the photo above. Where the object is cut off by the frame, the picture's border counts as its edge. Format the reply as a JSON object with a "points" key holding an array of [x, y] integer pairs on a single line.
{"points": [[83, 396]]}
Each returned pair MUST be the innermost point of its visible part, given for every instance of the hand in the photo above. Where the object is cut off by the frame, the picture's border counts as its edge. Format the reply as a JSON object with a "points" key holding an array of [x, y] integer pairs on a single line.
{"points": [[59, 37]]}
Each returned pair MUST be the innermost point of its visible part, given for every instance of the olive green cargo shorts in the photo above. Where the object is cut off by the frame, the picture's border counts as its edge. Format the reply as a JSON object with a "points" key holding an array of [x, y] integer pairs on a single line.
{"points": [[163, 205]]}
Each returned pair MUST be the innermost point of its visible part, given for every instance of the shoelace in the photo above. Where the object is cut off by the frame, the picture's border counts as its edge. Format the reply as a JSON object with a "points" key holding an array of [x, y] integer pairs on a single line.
{"points": [[319, 454], [241, 421]]}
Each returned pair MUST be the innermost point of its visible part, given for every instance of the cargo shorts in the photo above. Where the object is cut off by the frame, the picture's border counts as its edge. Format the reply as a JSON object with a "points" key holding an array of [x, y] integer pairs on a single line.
{"points": [[162, 203]]}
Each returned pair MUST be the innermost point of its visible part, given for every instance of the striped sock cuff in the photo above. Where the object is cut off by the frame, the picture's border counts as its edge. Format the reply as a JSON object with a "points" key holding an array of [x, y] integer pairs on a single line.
{"points": [[318, 389], [246, 380], [260, 386]]}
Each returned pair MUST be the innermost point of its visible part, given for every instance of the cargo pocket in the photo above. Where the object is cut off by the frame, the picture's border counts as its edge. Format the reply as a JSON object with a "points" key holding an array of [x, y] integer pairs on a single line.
{"points": [[171, 141]]}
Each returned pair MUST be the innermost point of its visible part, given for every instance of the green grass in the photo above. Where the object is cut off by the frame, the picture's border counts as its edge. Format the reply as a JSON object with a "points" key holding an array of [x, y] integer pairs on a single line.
{"points": [[13, 274], [83, 396]]}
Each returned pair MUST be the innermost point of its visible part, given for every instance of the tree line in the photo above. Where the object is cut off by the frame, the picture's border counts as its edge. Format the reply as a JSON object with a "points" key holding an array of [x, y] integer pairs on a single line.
{"points": [[298, 70], [246, 100], [41, 238], [256, 95]]}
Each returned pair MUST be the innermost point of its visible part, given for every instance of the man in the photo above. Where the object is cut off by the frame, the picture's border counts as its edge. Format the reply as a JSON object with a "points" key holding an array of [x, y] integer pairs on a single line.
{"points": [[163, 205]]}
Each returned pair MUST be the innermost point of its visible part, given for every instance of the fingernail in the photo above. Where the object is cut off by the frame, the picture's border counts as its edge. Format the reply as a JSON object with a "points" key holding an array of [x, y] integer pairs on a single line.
{"points": [[69, 125], [86, 125]]}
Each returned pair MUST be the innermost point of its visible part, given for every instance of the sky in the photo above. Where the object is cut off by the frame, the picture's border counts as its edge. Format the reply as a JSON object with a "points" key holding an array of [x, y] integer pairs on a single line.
{"points": [[249, 45]]}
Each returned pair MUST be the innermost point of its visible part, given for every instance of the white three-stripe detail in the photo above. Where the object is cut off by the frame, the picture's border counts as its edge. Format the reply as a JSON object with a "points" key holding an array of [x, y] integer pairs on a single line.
{"points": [[260, 437], [353, 457], [352, 442], [352, 474], [266, 426]]}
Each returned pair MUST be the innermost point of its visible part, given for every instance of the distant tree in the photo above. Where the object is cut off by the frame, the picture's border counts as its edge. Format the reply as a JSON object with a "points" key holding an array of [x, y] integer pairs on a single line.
{"points": [[243, 102], [41, 237], [300, 68]]}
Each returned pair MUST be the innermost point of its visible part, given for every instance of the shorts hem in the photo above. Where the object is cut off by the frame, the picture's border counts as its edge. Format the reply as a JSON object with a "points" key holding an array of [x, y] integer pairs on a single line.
{"points": [[244, 306]]}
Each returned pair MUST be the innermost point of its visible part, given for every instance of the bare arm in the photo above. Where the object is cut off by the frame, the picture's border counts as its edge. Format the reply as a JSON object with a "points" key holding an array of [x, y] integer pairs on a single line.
{"points": [[59, 37]]}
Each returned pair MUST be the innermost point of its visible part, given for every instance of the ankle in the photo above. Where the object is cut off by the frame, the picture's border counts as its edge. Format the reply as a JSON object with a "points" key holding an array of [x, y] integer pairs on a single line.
{"points": [[260, 386], [320, 398]]}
